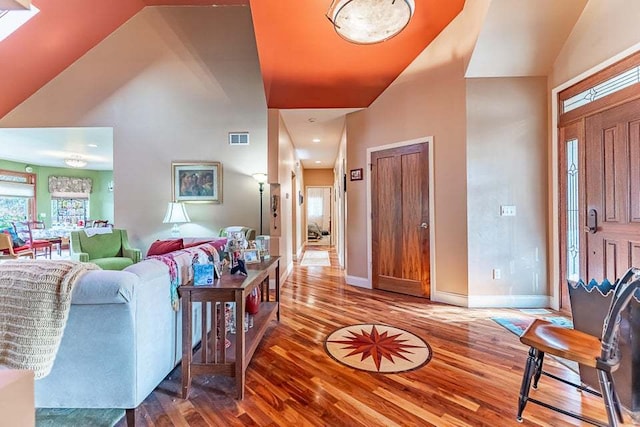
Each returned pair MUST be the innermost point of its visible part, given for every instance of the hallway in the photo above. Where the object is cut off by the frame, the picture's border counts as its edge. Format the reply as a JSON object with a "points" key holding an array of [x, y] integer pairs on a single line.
{"points": [[473, 377]]}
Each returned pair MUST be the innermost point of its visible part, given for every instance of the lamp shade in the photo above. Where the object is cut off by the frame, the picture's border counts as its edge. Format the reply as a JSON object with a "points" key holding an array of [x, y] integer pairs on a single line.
{"points": [[176, 213], [370, 21], [260, 177]]}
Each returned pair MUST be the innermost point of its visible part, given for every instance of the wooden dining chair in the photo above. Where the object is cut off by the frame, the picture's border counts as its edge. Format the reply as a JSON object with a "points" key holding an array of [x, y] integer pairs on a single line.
{"points": [[24, 231], [600, 353], [7, 251]]}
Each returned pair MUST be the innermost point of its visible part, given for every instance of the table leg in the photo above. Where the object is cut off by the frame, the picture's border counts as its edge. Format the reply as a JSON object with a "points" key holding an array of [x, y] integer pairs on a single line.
{"points": [[187, 353], [278, 288], [240, 344]]}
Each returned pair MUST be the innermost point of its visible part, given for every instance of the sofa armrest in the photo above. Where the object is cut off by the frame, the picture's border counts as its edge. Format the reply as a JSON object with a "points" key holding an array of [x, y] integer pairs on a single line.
{"points": [[104, 287]]}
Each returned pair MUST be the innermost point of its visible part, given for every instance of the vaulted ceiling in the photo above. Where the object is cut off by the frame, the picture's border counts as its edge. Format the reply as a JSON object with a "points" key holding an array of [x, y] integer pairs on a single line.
{"points": [[304, 63]]}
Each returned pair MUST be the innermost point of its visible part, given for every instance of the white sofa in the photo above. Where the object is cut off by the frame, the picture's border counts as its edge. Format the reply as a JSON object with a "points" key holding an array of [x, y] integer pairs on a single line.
{"points": [[121, 340]]}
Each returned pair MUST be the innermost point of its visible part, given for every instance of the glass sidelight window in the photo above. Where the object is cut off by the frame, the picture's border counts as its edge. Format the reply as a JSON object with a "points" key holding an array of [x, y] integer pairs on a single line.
{"points": [[573, 214]]}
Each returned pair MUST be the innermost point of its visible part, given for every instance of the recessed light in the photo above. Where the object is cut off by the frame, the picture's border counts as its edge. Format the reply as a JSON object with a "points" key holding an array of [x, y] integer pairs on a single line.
{"points": [[316, 139], [318, 161], [92, 145]]}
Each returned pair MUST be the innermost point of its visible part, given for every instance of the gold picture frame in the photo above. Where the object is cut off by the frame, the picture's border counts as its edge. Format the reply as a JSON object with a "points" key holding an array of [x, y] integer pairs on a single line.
{"points": [[193, 182], [251, 256]]}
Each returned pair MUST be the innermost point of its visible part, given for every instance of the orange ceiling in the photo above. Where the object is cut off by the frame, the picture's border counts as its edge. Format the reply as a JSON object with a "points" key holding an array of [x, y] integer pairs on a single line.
{"points": [[304, 63]]}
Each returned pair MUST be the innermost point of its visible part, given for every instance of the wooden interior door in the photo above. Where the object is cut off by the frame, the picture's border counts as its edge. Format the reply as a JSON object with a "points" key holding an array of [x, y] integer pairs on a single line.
{"points": [[400, 220], [612, 172]]}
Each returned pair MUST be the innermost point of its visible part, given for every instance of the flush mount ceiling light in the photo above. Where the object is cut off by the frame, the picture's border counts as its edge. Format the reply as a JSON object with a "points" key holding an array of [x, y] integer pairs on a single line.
{"points": [[370, 21], [15, 4], [75, 162]]}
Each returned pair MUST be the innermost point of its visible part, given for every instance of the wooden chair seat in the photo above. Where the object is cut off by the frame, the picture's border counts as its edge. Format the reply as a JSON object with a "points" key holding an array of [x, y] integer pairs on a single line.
{"points": [[8, 251], [543, 337], [563, 342], [24, 230]]}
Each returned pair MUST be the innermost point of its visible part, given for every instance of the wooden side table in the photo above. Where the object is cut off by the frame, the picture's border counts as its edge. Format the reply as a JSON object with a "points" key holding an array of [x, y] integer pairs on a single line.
{"points": [[212, 358]]}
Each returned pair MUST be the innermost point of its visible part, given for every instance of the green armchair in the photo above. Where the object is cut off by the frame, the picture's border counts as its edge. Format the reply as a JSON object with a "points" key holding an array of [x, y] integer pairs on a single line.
{"points": [[109, 251], [249, 233]]}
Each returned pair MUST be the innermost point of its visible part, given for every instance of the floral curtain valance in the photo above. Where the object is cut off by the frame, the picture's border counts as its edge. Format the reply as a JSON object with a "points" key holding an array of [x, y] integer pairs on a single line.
{"points": [[67, 186]]}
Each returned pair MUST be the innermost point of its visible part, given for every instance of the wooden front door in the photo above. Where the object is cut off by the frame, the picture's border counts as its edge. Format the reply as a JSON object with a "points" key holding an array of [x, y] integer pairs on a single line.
{"points": [[400, 220], [612, 191]]}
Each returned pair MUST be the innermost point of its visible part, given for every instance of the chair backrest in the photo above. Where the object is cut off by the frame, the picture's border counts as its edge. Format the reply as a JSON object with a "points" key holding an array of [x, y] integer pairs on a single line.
{"points": [[249, 233], [37, 225], [625, 289], [23, 230], [99, 246]]}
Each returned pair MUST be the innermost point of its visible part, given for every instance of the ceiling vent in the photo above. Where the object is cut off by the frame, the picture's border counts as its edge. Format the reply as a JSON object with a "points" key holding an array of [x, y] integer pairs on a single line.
{"points": [[238, 138]]}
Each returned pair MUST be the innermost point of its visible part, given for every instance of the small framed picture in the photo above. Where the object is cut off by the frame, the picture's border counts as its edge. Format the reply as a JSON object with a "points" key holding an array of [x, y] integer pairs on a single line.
{"points": [[251, 256], [356, 174]]}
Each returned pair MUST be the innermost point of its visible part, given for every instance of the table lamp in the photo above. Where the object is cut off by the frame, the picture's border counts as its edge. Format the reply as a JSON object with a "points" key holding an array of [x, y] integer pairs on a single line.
{"points": [[176, 214]]}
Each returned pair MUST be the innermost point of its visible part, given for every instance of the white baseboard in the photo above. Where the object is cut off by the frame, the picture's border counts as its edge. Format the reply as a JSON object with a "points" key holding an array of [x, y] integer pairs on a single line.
{"points": [[449, 298], [509, 301], [361, 282]]}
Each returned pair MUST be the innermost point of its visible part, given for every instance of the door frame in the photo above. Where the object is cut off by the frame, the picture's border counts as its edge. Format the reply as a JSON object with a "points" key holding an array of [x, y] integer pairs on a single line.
{"points": [[331, 212], [554, 230], [432, 216]]}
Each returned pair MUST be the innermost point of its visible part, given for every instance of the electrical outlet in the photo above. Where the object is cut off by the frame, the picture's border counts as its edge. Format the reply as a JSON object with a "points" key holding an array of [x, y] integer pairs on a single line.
{"points": [[507, 210], [497, 274]]}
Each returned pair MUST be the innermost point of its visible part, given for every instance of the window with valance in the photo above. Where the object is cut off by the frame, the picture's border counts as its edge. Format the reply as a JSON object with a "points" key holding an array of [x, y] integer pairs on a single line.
{"points": [[17, 197], [69, 199]]}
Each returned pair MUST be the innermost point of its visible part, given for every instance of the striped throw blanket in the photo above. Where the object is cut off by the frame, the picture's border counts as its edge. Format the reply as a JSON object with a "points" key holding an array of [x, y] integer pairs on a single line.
{"points": [[180, 266], [35, 298]]}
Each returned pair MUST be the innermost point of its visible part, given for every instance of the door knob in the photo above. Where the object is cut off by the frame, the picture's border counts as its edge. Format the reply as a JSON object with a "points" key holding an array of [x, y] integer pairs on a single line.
{"points": [[424, 225]]}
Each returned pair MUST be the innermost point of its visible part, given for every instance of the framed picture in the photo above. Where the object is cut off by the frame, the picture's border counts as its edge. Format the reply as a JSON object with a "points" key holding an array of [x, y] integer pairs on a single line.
{"points": [[356, 174], [251, 256], [196, 182]]}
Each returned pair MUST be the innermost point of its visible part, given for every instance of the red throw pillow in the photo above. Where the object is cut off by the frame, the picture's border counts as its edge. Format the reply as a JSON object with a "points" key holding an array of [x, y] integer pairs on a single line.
{"points": [[161, 247]]}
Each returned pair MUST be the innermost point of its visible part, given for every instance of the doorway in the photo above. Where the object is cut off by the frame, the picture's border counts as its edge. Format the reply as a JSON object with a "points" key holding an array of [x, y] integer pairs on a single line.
{"points": [[599, 178], [400, 235], [319, 208]]}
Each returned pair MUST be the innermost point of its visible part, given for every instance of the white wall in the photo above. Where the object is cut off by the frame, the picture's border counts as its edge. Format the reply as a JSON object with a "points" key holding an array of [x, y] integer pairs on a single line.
{"points": [[605, 28], [507, 165], [283, 163], [172, 82]]}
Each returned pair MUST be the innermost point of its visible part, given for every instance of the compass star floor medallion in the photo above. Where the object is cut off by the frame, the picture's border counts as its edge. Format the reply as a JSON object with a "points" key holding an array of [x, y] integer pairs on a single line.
{"points": [[377, 348]]}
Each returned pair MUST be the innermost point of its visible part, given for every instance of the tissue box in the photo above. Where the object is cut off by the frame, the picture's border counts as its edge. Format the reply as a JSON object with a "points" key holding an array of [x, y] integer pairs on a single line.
{"points": [[202, 274]]}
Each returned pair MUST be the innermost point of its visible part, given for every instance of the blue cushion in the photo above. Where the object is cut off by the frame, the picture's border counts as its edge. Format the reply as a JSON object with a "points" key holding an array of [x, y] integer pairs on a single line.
{"points": [[15, 240]]}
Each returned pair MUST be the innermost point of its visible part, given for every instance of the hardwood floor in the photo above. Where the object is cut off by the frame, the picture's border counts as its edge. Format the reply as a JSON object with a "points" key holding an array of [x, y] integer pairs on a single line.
{"points": [[473, 378]]}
